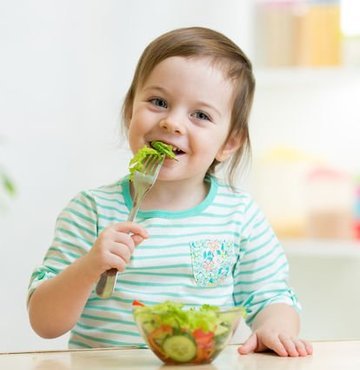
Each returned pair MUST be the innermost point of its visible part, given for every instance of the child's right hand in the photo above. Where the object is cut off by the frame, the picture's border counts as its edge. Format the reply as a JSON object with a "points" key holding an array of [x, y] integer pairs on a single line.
{"points": [[114, 247]]}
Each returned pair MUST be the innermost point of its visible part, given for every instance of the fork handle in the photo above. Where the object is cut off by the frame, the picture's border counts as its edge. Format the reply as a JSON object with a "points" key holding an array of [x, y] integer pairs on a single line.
{"points": [[106, 283]]}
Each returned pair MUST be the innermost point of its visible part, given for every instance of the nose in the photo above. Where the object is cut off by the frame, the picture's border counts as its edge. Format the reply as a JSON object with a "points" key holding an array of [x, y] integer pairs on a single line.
{"points": [[172, 125]]}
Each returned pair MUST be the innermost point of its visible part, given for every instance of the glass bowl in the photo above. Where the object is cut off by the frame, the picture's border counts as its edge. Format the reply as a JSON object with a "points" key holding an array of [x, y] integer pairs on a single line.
{"points": [[178, 335]]}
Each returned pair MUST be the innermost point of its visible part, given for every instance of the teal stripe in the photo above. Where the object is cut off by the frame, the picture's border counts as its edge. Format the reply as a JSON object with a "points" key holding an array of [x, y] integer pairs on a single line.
{"points": [[117, 190], [279, 282], [195, 225], [108, 208], [115, 218], [236, 213], [260, 222], [228, 205], [84, 205], [260, 235], [80, 215], [261, 268], [116, 310], [107, 330], [250, 221], [112, 200], [161, 256], [135, 270], [61, 251], [76, 343], [175, 295], [108, 319], [250, 204], [161, 273], [177, 285], [230, 233], [263, 292], [69, 244], [262, 245], [78, 226], [249, 320], [76, 236], [267, 277], [100, 340], [271, 251], [59, 260]]}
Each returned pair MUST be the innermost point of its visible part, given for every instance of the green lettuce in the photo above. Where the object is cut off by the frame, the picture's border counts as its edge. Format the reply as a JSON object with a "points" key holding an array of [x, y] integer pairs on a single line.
{"points": [[158, 148], [206, 317]]}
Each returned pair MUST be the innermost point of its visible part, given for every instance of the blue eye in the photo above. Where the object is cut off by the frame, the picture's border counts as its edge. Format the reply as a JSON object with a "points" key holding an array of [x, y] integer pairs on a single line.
{"points": [[202, 116], [158, 102]]}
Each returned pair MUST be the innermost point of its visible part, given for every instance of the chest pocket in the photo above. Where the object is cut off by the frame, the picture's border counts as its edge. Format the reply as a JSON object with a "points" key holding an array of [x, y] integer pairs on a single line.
{"points": [[212, 261]]}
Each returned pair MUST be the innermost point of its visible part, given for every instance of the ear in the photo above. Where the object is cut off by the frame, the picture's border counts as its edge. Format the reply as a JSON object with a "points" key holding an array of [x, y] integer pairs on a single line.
{"points": [[231, 145]]}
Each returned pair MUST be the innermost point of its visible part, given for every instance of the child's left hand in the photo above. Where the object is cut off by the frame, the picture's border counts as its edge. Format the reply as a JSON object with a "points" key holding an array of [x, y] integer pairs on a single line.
{"points": [[282, 344]]}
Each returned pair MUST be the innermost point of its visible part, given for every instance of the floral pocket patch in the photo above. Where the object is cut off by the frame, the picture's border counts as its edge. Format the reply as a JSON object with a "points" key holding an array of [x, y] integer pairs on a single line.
{"points": [[212, 261]]}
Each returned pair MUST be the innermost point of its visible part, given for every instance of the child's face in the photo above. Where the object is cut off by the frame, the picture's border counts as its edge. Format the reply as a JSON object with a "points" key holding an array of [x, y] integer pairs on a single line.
{"points": [[185, 102]]}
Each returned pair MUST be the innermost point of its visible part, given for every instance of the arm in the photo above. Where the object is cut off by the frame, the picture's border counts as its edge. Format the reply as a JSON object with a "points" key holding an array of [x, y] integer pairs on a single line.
{"points": [[276, 327], [261, 285], [56, 304]]}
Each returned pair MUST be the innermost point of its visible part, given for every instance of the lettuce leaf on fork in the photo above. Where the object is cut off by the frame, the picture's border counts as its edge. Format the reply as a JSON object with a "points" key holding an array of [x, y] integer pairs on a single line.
{"points": [[157, 148]]}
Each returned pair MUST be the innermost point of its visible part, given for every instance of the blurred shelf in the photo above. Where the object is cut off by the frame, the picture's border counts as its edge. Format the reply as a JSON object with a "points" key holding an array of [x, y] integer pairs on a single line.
{"points": [[322, 248]]}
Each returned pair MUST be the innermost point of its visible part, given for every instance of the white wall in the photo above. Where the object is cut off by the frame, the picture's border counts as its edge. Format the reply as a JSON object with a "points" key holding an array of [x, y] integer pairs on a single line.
{"points": [[64, 69]]}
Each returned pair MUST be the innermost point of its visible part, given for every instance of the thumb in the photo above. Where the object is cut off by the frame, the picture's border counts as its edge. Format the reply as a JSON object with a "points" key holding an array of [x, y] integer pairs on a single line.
{"points": [[249, 346]]}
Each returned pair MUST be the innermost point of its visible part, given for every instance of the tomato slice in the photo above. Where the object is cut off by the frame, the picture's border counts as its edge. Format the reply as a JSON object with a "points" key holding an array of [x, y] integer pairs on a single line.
{"points": [[138, 303], [205, 344], [203, 338]]}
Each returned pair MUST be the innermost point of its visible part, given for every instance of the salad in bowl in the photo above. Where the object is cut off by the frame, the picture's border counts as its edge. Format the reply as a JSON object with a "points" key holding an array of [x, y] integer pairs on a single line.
{"points": [[179, 335]]}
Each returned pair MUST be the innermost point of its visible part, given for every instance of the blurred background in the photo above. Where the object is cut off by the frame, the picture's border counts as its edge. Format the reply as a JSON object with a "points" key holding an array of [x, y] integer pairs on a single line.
{"points": [[64, 69]]}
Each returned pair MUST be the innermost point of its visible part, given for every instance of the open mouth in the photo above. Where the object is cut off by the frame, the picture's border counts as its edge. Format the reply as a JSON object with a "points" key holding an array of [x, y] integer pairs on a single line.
{"points": [[175, 149]]}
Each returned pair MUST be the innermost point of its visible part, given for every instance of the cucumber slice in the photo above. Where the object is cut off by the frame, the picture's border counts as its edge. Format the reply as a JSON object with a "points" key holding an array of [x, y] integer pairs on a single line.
{"points": [[179, 348]]}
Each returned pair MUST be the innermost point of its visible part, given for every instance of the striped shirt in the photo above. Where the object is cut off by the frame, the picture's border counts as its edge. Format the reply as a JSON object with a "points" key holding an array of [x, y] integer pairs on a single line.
{"points": [[221, 252]]}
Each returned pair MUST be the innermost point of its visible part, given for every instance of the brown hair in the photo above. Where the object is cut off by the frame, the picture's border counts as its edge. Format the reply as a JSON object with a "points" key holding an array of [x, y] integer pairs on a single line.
{"points": [[204, 42]]}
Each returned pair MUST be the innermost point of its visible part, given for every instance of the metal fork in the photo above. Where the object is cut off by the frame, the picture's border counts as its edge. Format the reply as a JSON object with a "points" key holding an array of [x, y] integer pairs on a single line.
{"points": [[142, 181]]}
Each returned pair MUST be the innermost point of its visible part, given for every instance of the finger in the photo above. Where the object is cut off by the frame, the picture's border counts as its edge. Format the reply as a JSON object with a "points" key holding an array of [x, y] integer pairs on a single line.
{"points": [[137, 239], [249, 345], [301, 348], [308, 347], [117, 263], [277, 346], [120, 237], [123, 251], [131, 228], [289, 346]]}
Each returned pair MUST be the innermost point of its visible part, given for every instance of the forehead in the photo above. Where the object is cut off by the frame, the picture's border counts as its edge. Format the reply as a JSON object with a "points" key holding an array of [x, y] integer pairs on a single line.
{"points": [[202, 70]]}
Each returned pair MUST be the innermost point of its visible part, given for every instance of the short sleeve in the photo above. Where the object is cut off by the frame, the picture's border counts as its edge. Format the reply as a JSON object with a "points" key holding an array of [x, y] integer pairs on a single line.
{"points": [[261, 271], [75, 233]]}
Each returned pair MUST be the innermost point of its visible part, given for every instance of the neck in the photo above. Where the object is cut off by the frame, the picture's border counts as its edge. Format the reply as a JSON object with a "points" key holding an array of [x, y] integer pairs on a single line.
{"points": [[175, 196]]}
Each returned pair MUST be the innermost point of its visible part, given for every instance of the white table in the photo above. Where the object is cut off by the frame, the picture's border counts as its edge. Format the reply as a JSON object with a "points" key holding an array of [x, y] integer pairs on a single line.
{"points": [[331, 355]]}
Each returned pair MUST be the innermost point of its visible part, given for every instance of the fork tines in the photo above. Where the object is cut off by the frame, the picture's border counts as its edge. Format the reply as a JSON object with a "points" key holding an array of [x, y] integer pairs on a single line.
{"points": [[151, 163]]}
